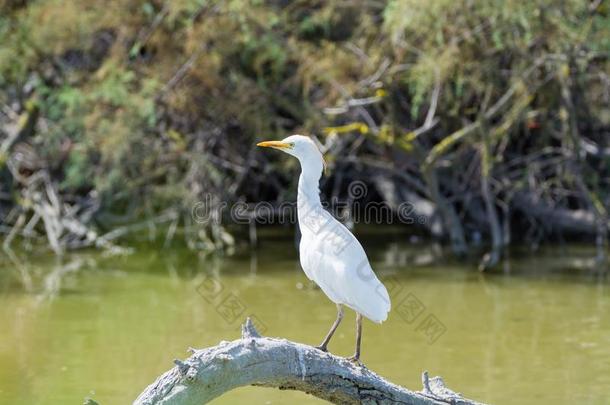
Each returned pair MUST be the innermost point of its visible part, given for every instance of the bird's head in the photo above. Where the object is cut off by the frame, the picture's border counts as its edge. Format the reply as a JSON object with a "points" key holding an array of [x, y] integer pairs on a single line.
{"points": [[299, 146]]}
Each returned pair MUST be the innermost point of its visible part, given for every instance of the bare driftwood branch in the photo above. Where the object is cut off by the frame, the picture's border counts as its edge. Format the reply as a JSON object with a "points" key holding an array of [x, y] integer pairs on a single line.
{"points": [[577, 221], [409, 205], [22, 127], [268, 362]]}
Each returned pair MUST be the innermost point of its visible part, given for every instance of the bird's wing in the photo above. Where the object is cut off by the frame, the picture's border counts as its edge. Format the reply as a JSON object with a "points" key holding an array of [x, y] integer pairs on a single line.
{"points": [[362, 291], [320, 268]]}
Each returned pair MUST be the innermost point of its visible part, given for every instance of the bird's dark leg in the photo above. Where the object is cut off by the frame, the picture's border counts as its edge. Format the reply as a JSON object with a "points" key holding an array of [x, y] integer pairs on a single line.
{"points": [[356, 356], [332, 330]]}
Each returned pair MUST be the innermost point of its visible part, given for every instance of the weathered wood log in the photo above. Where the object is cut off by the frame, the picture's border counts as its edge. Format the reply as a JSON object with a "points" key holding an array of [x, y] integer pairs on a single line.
{"points": [[418, 209], [569, 221], [269, 362]]}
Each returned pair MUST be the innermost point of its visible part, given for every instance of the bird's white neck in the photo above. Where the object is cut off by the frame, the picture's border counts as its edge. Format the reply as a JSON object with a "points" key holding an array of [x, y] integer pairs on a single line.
{"points": [[309, 191]]}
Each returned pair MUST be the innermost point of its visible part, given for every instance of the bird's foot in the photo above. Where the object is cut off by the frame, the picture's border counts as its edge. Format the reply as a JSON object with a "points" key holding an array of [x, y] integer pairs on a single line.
{"points": [[355, 359], [322, 348]]}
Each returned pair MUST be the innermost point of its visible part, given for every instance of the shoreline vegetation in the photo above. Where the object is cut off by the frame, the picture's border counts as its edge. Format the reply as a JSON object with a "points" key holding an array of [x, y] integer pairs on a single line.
{"points": [[491, 119]]}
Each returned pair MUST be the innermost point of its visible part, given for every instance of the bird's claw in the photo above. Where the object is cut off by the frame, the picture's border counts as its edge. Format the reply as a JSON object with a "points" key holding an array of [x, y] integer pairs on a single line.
{"points": [[322, 348], [356, 360]]}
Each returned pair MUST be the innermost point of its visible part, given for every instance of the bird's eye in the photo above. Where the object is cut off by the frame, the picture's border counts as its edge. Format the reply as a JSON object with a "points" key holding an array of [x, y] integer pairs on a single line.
{"points": [[292, 144]]}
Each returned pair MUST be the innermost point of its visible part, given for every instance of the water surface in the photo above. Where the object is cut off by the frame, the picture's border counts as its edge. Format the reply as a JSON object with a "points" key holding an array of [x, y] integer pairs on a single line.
{"points": [[105, 327]]}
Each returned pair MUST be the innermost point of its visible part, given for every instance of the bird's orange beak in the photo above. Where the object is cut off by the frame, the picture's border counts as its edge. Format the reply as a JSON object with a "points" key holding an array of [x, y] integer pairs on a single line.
{"points": [[274, 144]]}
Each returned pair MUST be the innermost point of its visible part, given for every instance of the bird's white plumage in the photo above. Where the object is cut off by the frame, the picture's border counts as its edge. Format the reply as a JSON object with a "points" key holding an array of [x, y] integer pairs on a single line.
{"points": [[346, 277], [329, 253]]}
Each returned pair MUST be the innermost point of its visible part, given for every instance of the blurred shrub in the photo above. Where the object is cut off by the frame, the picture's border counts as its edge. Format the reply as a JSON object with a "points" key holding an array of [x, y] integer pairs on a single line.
{"points": [[156, 103]]}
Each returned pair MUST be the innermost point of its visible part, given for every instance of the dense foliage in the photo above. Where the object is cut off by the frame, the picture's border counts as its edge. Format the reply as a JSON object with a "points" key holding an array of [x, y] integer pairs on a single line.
{"points": [[495, 112]]}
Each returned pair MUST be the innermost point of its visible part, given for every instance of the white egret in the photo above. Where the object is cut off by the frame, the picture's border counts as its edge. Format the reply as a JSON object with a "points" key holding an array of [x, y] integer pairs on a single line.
{"points": [[329, 254]]}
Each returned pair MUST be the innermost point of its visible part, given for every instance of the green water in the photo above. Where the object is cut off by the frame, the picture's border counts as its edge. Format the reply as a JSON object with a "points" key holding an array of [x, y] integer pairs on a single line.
{"points": [[105, 327]]}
